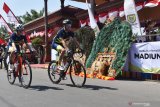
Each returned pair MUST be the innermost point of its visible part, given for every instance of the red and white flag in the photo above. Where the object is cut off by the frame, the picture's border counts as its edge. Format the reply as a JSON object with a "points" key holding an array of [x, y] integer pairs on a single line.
{"points": [[113, 13], [83, 23], [11, 17], [139, 6], [4, 23], [152, 3], [121, 12], [103, 17]]}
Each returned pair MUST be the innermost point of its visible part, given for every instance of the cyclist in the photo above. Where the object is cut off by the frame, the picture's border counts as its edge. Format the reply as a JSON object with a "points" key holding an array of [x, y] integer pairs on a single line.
{"points": [[59, 41], [15, 40]]}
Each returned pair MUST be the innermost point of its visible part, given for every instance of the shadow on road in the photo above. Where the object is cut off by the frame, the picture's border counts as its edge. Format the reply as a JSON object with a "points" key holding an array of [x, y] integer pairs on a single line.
{"points": [[94, 87], [43, 88]]}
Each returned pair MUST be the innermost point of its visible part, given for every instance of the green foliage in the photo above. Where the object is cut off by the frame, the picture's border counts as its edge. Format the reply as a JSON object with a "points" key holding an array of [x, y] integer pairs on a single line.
{"points": [[85, 36], [31, 16], [37, 40], [116, 35], [3, 33]]}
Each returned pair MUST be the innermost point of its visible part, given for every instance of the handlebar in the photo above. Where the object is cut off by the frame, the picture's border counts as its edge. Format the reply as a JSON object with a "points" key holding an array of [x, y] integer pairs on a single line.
{"points": [[71, 53]]}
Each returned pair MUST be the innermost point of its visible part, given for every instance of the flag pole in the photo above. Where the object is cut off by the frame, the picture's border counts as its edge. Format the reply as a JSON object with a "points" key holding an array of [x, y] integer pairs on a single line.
{"points": [[6, 23], [10, 11], [14, 15], [46, 30]]}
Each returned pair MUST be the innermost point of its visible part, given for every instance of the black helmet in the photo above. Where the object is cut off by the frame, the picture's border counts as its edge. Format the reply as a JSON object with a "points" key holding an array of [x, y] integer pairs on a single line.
{"points": [[67, 21]]}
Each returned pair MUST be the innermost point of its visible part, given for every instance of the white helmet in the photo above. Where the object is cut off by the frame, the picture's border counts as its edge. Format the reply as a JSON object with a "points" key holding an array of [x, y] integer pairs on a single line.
{"points": [[19, 27]]}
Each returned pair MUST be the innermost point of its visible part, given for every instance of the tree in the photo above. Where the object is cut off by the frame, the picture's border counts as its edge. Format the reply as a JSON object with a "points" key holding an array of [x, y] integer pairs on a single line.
{"points": [[3, 32], [31, 16]]}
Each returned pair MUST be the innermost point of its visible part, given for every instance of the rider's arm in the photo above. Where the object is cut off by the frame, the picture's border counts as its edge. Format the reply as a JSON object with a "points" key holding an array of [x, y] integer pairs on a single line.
{"points": [[12, 42], [63, 43], [29, 44]]}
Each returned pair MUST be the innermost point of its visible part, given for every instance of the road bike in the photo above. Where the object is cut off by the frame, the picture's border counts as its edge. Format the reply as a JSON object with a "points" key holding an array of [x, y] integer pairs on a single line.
{"points": [[20, 68], [74, 68]]}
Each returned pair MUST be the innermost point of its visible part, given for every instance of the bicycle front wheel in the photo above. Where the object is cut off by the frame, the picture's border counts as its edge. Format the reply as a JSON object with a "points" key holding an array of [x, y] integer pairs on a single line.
{"points": [[11, 73], [77, 74], [53, 73], [6, 60], [26, 74]]}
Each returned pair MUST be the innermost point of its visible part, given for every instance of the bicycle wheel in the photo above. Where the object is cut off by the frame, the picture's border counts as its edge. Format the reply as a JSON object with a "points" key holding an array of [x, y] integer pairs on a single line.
{"points": [[26, 74], [11, 73], [53, 73], [6, 60], [77, 74]]}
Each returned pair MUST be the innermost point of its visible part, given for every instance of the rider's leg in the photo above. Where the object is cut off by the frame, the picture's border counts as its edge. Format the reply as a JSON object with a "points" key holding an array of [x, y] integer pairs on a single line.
{"points": [[12, 57], [62, 52], [59, 49]]}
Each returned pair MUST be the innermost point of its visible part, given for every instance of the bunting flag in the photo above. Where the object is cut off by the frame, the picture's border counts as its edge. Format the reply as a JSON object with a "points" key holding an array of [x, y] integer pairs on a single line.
{"points": [[83, 23], [93, 23], [11, 17], [138, 7], [121, 12], [152, 3], [102, 17], [132, 16], [4, 23], [113, 13]]}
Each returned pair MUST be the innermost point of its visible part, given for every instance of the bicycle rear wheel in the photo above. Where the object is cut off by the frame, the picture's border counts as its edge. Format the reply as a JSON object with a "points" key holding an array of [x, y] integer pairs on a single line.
{"points": [[11, 73], [77, 74], [53, 73], [26, 74]]}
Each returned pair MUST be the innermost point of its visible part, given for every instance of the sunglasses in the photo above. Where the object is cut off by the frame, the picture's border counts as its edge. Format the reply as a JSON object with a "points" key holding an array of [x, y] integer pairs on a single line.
{"points": [[68, 25]]}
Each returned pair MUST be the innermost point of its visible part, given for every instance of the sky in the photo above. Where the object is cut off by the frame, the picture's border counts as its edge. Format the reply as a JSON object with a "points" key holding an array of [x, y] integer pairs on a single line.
{"points": [[20, 7]]}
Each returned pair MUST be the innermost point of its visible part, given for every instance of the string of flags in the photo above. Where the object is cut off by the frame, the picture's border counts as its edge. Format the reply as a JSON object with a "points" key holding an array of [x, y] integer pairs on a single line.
{"points": [[115, 12]]}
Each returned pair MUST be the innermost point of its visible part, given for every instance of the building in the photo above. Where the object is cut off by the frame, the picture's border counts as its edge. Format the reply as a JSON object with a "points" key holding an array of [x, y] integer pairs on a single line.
{"points": [[101, 8], [36, 27]]}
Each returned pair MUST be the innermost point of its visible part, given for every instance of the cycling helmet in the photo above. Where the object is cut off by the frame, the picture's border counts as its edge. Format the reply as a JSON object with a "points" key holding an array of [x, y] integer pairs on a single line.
{"points": [[67, 21], [19, 27]]}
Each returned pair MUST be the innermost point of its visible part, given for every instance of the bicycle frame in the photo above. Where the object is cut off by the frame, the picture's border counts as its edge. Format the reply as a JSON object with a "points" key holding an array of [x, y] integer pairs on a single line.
{"points": [[70, 60], [18, 58]]}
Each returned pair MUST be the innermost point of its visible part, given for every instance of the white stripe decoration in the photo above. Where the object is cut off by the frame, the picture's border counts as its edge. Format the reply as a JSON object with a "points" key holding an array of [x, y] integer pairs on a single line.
{"points": [[152, 3], [102, 17]]}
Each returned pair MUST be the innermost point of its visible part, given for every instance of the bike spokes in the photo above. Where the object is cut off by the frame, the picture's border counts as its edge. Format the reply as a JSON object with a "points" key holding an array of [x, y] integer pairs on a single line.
{"points": [[78, 74], [26, 75], [53, 72], [11, 73]]}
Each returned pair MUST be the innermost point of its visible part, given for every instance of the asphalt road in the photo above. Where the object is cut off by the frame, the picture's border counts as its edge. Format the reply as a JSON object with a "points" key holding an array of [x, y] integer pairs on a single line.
{"points": [[96, 93]]}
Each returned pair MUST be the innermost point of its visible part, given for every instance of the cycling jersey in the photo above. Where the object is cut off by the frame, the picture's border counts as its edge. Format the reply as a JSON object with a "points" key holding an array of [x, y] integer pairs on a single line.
{"points": [[17, 40], [62, 34]]}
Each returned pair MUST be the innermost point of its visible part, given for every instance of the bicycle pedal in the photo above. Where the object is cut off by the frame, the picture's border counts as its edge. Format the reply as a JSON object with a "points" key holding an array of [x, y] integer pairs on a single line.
{"points": [[64, 78]]}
